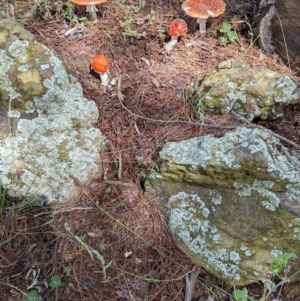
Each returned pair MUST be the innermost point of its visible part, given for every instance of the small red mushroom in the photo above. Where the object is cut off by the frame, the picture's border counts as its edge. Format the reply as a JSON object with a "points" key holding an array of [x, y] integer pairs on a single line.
{"points": [[177, 28], [100, 64]]}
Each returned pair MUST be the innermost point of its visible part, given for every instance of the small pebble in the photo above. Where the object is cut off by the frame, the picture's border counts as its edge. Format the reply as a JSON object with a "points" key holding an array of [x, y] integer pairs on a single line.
{"points": [[113, 82]]}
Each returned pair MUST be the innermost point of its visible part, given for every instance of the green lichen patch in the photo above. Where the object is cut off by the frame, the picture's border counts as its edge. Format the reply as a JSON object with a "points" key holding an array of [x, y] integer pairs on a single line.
{"points": [[252, 93], [3, 37], [29, 82], [11, 31]]}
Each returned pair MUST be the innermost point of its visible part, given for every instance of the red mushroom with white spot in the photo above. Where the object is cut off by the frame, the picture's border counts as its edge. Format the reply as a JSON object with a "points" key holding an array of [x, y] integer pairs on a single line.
{"points": [[177, 28], [202, 10], [91, 8], [100, 64]]}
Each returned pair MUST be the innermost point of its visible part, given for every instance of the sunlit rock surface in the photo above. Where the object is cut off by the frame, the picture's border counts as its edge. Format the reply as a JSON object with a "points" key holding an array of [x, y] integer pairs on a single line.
{"points": [[49, 145], [232, 203], [253, 93]]}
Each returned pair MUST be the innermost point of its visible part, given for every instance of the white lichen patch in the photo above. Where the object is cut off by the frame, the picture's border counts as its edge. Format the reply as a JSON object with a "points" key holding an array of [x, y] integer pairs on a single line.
{"points": [[284, 89], [273, 201], [205, 212], [5, 63], [297, 233], [29, 107], [263, 184], [216, 196], [23, 68], [269, 199], [293, 191], [197, 152], [235, 257], [13, 114], [242, 189], [199, 235], [45, 66], [187, 152], [246, 251], [18, 49], [228, 160], [276, 252]]}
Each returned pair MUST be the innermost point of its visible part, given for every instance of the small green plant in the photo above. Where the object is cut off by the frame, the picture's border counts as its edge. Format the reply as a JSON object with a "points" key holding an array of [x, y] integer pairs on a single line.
{"points": [[278, 264], [39, 6], [67, 271], [151, 17], [229, 35], [131, 20], [33, 296], [141, 4], [68, 13], [3, 14], [36, 286], [92, 252], [54, 282], [67, 9], [126, 29]]}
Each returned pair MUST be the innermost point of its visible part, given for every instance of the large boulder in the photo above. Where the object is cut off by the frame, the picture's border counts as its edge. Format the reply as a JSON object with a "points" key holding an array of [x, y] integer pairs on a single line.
{"points": [[254, 93], [279, 29], [232, 203], [49, 145]]}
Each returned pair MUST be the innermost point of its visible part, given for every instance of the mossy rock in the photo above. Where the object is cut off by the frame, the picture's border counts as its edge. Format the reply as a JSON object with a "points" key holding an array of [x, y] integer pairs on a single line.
{"points": [[253, 93], [232, 203], [49, 142]]}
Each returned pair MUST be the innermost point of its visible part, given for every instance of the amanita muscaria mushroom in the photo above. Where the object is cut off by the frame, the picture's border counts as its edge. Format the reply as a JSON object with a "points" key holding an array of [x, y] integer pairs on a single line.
{"points": [[100, 64], [177, 28], [90, 6], [202, 10]]}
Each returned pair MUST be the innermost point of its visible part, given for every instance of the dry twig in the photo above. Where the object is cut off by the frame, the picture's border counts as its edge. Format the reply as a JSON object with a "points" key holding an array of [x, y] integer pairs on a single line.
{"points": [[191, 280]]}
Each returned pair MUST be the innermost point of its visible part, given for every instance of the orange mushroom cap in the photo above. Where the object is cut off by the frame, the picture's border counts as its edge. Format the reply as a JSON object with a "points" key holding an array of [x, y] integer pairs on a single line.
{"points": [[100, 63], [203, 9], [88, 2], [177, 27]]}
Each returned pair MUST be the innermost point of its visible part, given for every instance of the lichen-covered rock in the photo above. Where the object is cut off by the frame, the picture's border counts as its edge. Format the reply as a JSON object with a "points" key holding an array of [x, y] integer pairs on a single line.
{"points": [[254, 93], [232, 203], [49, 147]]}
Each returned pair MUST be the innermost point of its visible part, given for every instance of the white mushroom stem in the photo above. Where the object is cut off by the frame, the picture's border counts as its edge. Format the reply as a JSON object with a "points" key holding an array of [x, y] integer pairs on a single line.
{"points": [[92, 11], [202, 25], [104, 78], [169, 46]]}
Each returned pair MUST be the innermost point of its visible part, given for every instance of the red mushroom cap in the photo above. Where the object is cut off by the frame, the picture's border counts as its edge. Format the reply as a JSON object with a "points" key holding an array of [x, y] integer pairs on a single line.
{"points": [[88, 2], [203, 9], [177, 27], [100, 63]]}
